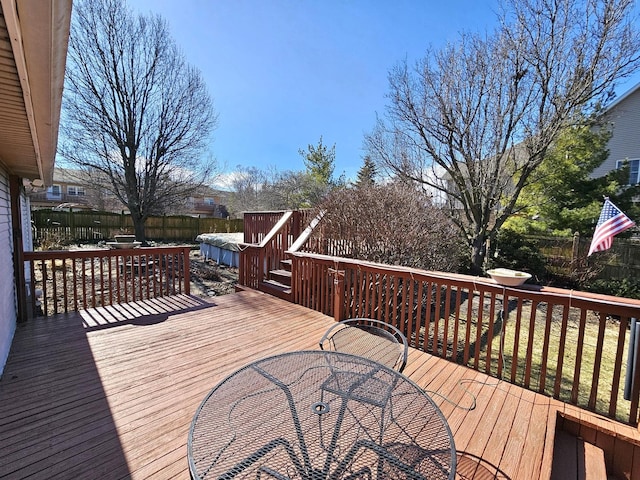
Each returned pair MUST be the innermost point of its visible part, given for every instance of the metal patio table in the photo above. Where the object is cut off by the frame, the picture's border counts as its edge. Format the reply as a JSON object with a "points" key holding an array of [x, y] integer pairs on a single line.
{"points": [[317, 415]]}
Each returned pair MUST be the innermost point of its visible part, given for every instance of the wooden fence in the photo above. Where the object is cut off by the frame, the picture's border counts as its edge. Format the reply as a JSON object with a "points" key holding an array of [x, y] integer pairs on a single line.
{"points": [[566, 256], [51, 227]]}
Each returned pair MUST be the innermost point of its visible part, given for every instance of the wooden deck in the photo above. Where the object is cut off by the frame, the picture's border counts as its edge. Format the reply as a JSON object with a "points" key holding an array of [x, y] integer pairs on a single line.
{"points": [[110, 393]]}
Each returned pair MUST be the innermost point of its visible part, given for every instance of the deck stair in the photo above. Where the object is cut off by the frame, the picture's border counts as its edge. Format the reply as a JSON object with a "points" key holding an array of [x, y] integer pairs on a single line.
{"points": [[574, 458], [278, 282]]}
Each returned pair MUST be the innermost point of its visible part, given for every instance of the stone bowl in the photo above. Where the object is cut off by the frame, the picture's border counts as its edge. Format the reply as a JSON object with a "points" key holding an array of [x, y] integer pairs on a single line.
{"points": [[510, 278]]}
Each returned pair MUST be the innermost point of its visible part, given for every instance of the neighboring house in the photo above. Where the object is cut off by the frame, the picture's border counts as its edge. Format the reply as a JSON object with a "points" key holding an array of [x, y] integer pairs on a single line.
{"points": [[66, 191], [207, 202], [624, 117], [33, 48], [69, 191]]}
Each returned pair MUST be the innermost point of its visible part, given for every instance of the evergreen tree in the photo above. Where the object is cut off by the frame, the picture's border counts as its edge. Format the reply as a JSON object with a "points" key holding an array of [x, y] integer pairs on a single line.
{"points": [[562, 196], [320, 162], [367, 173]]}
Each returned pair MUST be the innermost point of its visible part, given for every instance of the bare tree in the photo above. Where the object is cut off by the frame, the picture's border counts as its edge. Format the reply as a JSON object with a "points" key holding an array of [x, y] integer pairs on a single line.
{"points": [[136, 116], [475, 119], [395, 224], [247, 190]]}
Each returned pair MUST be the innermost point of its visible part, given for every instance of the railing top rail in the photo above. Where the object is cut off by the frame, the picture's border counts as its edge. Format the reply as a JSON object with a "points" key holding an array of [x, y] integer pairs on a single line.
{"points": [[276, 228], [301, 240], [266, 212], [44, 254], [468, 281]]}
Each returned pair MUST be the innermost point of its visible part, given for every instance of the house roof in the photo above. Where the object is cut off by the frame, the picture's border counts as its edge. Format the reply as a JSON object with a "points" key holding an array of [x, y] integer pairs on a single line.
{"points": [[33, 48], [622, 97]]}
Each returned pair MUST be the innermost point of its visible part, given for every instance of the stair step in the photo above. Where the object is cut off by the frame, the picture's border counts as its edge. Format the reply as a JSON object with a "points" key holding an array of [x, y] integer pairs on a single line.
{"points": [[276, 289], [286, 264], [575, 458], [281, 276]]}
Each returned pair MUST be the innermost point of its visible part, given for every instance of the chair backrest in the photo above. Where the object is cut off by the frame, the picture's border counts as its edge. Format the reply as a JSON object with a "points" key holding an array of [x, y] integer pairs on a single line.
{"points": [[368, 338]]}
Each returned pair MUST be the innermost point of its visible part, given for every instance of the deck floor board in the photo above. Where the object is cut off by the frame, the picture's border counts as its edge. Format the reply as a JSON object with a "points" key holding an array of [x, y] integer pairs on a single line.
{"points": [[110, 392]]}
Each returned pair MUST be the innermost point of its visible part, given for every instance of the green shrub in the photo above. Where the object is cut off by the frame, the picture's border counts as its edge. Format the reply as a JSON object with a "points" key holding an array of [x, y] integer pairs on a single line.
{"points": [[513, 250], [624, 287]]}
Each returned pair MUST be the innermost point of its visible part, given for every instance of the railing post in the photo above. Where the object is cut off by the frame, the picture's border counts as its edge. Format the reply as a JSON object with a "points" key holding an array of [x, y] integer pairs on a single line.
{"points": [[295, 229], [338, 294], [187, 272]]}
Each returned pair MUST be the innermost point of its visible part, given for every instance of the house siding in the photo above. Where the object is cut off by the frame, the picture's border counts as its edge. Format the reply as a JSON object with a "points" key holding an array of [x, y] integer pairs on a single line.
{"points": [[8, 307], [624, 117]]}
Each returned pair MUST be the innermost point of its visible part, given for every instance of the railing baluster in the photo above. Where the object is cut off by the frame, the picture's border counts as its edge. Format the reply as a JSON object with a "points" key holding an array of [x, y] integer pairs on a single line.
{"points": [[413, 327], [54, 290], [427, 320], [561, 348], [83, 277], [387, 292], [101, 303], [516, 341], [545, 348], [490, 328], [74, 269], [110, 279], [64, 285], [34, 297], [93, 281], [478, 342], [578, 365], [45, 289], [419, 318], [381, 298], [530, 338], [597, 361], [436, 318], [447, 314], [368, 283], [617, 372], [504, 315], [467, 334]]}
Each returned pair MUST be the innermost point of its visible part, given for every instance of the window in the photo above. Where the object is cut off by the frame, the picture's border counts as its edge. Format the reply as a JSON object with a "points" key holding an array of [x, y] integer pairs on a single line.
{"points": [[54, 191], [209, 201], [75, 191], [634, 170]]}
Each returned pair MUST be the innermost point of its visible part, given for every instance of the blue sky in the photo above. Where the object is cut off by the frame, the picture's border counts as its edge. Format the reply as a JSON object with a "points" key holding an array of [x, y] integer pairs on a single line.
{"points": [[282, 73]]}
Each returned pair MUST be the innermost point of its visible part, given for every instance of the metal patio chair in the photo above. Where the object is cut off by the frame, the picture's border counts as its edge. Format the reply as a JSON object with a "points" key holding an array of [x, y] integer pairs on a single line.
{"points": [[368, 338]]}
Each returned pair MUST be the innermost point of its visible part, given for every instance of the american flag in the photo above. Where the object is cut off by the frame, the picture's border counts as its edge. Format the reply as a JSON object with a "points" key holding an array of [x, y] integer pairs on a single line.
{"points": [[611, 222]]}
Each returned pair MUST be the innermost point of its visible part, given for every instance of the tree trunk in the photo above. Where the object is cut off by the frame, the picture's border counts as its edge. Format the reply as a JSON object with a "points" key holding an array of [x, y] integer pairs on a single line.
{"points": [[138, 228], [478, 254]]}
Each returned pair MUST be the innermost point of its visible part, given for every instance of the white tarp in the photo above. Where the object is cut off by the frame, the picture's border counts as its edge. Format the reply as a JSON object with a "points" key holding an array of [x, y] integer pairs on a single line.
{"points": [[221, 247]]}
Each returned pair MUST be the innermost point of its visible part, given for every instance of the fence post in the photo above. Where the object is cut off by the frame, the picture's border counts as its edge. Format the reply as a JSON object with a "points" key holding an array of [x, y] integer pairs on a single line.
{"points": [[72, 225], [574, 252]]}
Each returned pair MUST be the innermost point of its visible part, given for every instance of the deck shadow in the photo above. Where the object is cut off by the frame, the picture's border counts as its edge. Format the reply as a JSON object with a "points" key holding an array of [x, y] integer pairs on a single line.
{"points": [[472, 467], [55, 417], [147, 312]]}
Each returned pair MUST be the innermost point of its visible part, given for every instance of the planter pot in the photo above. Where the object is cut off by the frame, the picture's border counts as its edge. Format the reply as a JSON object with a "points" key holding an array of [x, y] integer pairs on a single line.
{"points": [[124, 245], [125, 238]]}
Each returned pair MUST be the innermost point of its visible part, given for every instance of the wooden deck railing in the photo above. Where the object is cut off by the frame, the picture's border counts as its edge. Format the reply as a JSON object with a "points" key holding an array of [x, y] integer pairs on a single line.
{"points": [[267, 235], [257, 225], [63, 281], [569, 345]]}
